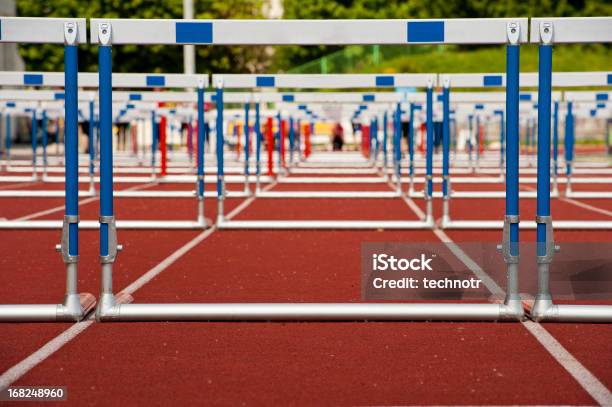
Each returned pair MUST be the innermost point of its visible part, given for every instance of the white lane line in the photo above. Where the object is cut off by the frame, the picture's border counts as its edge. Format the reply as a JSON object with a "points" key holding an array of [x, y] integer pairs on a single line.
{"points": [[20, 369], [577, 203], [81, 202], [491, 285], [14, 373], [583, 376], [151, 274], [18, 185]]}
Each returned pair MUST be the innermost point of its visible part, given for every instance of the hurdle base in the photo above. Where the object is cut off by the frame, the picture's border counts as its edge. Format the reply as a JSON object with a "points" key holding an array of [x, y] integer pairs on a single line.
{"points": [[307, 312], [74, 308], [559, 224], [110, 302], [544, 310], [322, 224]]}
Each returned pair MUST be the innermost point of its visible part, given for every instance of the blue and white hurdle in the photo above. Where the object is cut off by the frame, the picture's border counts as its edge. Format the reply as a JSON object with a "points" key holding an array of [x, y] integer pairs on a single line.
{"points": [[546, 32], [71, 33], [109, 32]]}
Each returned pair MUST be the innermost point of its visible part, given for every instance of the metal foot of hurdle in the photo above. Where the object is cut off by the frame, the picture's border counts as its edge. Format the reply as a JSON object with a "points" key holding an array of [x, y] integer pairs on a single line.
{"points": [[74, 306]]}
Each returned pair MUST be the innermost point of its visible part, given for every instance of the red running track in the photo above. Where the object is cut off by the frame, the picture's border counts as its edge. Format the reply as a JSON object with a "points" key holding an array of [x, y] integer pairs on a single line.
{"points": [[281, 363]]}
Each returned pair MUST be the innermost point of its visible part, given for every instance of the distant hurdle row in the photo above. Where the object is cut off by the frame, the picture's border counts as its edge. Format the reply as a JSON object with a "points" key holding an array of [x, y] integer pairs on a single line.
{"points": [[111, 32]]}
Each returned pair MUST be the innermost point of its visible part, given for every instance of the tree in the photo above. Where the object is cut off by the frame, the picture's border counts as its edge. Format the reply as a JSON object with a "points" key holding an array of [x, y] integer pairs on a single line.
{"points": [[135, 58]]}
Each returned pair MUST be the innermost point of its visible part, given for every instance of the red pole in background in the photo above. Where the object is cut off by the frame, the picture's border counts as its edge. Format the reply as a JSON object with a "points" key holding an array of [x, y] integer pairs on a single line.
{"points": [[307, 140], [270, 143], [238, 130], [283, 131], [422, 138], [162, 142], [365, 139]]}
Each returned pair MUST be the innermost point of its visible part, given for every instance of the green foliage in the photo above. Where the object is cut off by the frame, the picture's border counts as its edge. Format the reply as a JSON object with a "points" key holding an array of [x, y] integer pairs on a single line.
{"points": [[493, 59], [289, 57], [133, 58]]}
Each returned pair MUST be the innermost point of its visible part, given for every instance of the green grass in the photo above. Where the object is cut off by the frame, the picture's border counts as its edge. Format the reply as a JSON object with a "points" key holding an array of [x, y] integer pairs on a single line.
{"points": [[451, 59]]}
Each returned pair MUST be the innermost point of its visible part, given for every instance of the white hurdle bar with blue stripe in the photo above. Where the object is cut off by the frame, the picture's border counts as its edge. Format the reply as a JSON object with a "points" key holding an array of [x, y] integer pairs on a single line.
{"points": [[546, 32], [107, 33], [70, 32]]}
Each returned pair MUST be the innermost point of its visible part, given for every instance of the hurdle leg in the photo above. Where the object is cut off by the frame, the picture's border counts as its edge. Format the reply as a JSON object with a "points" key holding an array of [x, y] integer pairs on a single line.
{"points": [[445, 152], [410, 148], [510, 233], [429, 159], [108, 230], [74, 306], [258, 137], [201, 220], [92, 187], [220, 142], [247, 153]]}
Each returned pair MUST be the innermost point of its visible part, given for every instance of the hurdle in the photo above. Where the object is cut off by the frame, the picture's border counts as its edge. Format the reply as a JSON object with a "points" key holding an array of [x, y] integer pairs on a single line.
{"points": [[200, 82], [313, 81], [546, 32], [70, 32], [321, 81], [296, 32], [562, 79], [596, 102]]}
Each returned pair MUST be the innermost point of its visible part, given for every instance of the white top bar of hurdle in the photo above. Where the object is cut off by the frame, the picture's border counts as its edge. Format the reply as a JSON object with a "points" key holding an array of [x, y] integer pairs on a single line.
{"points": [[588, 96], [40, 30], [120, 80], [309, 32], [573, 29], [530, 79], [321, 81]]}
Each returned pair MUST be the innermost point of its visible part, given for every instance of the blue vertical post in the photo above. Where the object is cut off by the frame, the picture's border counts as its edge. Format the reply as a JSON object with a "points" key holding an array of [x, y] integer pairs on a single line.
{"points": [[512, 149], [71, 145], [374, 139], [502, 138], [545, 244], [510, 234], [291, 139], [154, 139], [569, 144], [543, 179], [106, 146], [555, 145], [247, 145], [430, 139], [7, 142], [258, 137], [411, 147], [469, 140], [445, 150], [385, 139], [200, 154], [429, 156], [34, 141], [220, 145], [397, 149], [478, 141], [279, 141], [91, 138], [44, 139]]}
